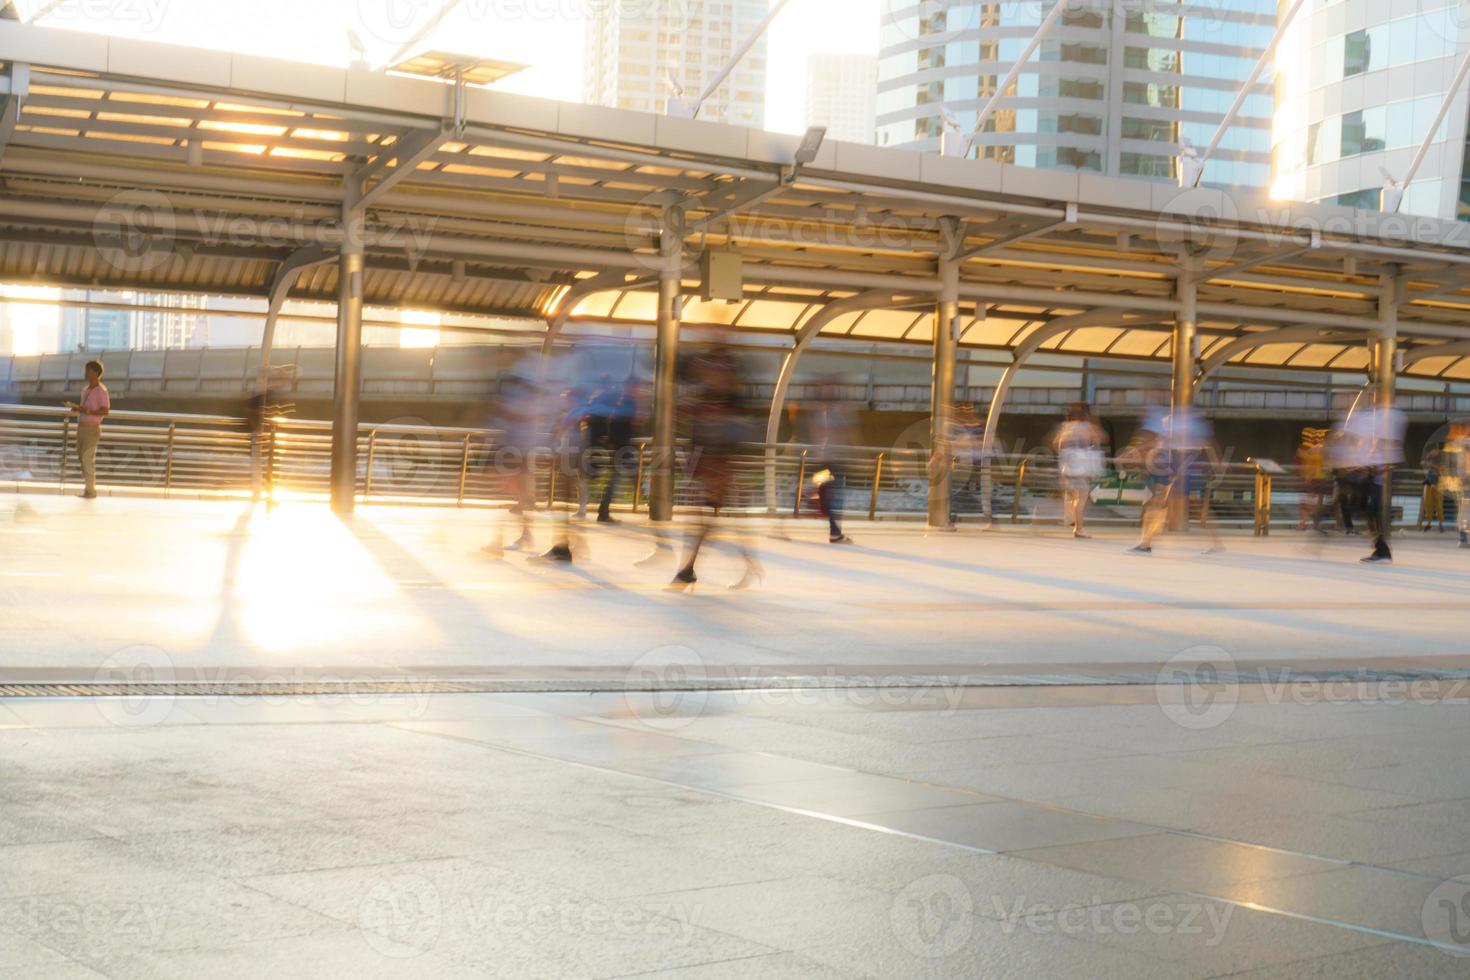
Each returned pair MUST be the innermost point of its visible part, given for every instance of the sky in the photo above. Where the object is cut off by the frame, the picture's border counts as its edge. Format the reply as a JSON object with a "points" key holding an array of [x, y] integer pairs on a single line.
{"points": [[545, 34]]}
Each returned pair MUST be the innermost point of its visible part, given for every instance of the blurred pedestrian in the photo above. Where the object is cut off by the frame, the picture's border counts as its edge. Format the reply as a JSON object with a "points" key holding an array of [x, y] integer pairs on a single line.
{"points": [[1078, 444], [1311, 461], [514, 459], [720, 425], [1457, 477], [834, 429], [1184, 461], [615, 415], [1431, 503], [95, 405], [1372, 441]]}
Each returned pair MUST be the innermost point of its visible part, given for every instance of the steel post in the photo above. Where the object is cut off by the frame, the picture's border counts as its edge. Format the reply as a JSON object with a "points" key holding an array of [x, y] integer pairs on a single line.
{"points": [[1385, 368], [941, 461], [1181, 397], [347, 384], [666, 374]]}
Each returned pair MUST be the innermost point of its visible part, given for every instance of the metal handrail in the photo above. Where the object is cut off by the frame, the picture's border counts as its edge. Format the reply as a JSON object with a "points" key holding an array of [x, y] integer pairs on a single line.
{"points": [[400, 462]]}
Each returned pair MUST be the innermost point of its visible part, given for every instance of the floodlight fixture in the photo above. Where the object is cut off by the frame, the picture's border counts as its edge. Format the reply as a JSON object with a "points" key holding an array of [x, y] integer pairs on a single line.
{"points": [[811, 145]]}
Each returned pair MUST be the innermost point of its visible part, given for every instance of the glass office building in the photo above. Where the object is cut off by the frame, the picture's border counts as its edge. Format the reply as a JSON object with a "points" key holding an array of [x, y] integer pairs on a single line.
{"points": [[1358, 86], [1116, 90]]}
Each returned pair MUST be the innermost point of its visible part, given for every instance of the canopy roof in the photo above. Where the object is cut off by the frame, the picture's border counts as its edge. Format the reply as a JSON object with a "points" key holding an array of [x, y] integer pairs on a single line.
{"points": [[127, 164]]}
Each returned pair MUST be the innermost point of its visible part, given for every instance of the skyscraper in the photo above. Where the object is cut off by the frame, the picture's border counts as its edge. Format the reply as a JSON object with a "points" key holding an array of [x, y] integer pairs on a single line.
{"points": [[92, 329], [1118, 90], [841, 94], [179, 323], [634, 48], [1357, 89]]}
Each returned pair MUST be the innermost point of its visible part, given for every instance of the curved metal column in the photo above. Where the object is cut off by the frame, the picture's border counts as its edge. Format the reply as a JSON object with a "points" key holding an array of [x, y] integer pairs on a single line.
{"points": [[557, 319], [285, 279], [1022, 353], [1249, 342], [873, 299], [1185, 354]]}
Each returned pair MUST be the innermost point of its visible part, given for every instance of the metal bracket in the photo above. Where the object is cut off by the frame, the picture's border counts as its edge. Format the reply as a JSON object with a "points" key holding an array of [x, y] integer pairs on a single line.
{"points": [[404, 156], [18, 86]]}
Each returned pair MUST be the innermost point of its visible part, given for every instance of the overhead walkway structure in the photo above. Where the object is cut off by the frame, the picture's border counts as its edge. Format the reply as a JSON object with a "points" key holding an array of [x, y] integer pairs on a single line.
{"points": [[134, 165]]}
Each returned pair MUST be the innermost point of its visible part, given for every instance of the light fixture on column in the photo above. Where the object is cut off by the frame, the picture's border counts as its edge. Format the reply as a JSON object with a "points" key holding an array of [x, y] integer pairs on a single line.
{"points": [[811, 145]]}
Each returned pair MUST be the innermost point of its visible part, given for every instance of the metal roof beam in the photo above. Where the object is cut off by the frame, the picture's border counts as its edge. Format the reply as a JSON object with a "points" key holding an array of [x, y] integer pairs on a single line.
{"points": [[1230, 271], [17, 78], [746, 194], [1032, 230], [404, 155]]}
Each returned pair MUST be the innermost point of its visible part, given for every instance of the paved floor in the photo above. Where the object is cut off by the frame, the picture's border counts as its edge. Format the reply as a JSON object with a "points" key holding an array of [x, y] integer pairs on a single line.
{"points": [[1074, 832], [222, 587], [971, 755]]}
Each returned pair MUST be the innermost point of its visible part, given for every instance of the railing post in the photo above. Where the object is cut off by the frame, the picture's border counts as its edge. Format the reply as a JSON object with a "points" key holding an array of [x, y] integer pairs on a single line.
{"points": [[367, 488], [270, 461], [1020, 486], [464, 468], [800, 484], [168, 459], [638, 480], [65, 448], [877, 480]]}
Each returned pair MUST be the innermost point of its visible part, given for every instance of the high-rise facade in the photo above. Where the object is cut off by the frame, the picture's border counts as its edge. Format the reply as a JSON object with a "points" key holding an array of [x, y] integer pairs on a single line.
{"points": [[1358, 87], [841, 94], [633, 49], [1116, 88], [88, 328], [175, 321]]}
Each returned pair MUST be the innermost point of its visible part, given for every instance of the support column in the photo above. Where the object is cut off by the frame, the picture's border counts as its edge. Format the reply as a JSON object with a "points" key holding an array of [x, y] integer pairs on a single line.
{"points": [[941, 458], [347, 384], [1181, 398], [1385, 370], [666, 374]]}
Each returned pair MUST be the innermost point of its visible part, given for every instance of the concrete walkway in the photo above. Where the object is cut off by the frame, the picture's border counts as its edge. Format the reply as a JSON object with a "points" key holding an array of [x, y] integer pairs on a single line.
{"points": [[1001, 833], [222, 587]]}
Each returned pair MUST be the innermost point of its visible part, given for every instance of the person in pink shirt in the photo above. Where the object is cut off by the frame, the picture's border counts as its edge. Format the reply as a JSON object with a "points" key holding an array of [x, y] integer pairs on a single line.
{"points": [[95, 406]]}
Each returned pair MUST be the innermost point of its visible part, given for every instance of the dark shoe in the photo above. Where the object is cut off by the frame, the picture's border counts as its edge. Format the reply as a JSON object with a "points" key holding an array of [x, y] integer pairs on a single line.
{"points": [[1378, 556], [561, 554], [607, 519], [685, 580], [1140, 549], [840, 539]]}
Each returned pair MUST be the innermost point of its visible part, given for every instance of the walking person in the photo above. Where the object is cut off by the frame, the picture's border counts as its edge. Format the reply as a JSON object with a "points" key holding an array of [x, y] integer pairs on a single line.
{"points": [[617, 406], [1078, 445], [1183, 461], [1311, 460], [720, 426], [1373, 443], [835, 427], [1457, 477], [94, 407], [1431, 504]]}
